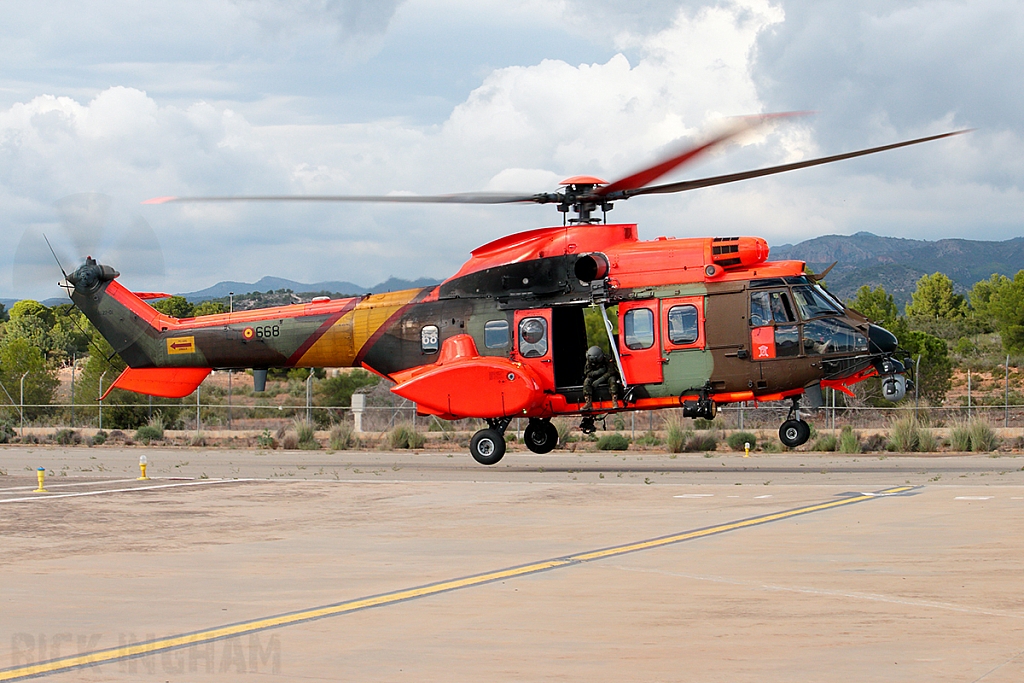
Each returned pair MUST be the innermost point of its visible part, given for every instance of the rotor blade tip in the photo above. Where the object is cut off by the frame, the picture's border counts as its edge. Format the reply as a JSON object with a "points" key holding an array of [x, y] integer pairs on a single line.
{"points": [[160, 200]]}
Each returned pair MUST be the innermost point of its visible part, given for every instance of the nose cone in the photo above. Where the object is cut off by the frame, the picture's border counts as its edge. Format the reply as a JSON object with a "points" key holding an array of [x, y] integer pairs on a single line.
{"points": [[881, 340]]}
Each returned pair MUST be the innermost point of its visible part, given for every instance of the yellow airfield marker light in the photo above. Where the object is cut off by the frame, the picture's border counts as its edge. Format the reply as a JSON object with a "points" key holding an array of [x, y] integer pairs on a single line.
{"points": [[142, 469], [746, 449], [40, 475]]}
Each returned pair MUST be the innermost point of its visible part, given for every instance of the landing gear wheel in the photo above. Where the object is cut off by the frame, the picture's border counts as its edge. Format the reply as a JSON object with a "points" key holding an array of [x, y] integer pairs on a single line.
{"points": [[487, 446], [541, 436], [794, 433]]}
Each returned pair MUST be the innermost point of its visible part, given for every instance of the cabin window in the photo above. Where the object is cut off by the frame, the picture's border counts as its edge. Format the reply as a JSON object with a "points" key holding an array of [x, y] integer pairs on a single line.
{"points": [[429, 339], [812, 303], [787, 341], [533, 337], [831, 336], [639, 328], [496, 334], [682, 324]]}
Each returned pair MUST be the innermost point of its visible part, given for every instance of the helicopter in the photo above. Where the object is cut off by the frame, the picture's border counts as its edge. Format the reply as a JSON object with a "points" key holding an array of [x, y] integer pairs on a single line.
{"points": [[699, 322]]}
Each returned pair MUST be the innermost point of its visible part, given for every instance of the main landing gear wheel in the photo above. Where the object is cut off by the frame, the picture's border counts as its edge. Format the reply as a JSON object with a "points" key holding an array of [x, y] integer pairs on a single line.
{"points": [[541, 436], [794, 433], [487, 446]]}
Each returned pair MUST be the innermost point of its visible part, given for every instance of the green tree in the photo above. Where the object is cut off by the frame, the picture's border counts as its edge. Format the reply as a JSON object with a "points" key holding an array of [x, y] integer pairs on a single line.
{"points": [[934, 298], [3, 313], [33, 308], [1003, 302], [209, 308], [936, 367], [337, 391], [175, 306], [876, 305], [18, 356]]}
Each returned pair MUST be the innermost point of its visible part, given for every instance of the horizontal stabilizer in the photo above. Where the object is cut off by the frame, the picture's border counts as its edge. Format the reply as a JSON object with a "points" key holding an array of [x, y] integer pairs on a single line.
{"points": [[146, 296], [162, 382]]}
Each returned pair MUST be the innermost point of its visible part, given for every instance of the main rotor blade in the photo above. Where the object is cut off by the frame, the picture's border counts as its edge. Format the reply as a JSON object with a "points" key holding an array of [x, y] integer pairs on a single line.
{"points": [[652, 173], [461, 198], [685, 185]]}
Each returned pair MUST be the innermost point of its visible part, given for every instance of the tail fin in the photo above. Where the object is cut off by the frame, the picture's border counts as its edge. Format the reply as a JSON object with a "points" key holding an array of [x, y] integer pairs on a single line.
{"points": [[134, 329]]}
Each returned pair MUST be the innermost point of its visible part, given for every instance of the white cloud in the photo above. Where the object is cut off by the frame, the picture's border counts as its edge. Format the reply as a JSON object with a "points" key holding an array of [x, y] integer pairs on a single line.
{"points": [[667, 75]]}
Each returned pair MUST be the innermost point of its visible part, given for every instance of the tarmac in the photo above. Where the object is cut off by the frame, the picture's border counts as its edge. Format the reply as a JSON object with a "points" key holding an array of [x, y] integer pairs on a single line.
{"points": [[420, 566]]}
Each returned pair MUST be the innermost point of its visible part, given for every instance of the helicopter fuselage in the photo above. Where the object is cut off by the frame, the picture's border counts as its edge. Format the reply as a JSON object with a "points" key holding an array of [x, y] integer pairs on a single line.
{"points": [[706, 320]]}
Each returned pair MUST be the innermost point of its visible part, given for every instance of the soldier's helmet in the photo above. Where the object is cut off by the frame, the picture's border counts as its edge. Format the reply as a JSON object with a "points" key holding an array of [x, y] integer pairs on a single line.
{"points": [[594, 353]]}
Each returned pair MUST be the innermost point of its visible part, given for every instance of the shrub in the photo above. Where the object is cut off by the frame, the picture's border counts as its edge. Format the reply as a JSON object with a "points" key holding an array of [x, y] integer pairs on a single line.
{"points": [[99, 438], [849, 442], [983, 438], [701, 441], [960, 436], [6, 431], [649, 439], [705, 424], [343, 438], [306, 436], [926, 441], [825, 443], [197, 440], [148, 433], [772, 446], [67, 437], [265, 440], [116, 435], [905, 435], [404, 436], [737, 440], [612, 441], [290, 441], [675, 435], [875, 442]]}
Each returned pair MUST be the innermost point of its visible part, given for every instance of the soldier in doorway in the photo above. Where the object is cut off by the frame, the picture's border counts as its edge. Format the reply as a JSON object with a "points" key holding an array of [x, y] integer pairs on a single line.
{"points": [[598, 372]]}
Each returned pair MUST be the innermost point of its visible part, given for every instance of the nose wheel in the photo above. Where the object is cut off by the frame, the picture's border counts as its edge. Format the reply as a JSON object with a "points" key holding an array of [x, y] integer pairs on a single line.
{"points": [[794, 431]]}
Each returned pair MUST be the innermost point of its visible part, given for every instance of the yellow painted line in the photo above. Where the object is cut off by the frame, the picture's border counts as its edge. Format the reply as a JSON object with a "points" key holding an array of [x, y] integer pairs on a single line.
{"points": [[278, 621]]}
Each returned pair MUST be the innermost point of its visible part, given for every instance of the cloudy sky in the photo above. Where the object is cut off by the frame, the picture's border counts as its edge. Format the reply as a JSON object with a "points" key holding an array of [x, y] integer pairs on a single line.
{"points": [[134, 100]]}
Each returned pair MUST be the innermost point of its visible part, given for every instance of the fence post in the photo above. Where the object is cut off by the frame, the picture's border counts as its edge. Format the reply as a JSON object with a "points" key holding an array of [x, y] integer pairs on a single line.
{"points": [[198, 419], [22, 406], [309, 398], [917, 386], [358, 406], [74, 357], [102, 374], [1006, 395], [968, 393]]}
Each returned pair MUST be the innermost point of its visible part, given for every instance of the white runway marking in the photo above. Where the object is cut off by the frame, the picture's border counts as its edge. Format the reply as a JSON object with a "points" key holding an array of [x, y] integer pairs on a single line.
{"points": [[767, 495], [44, 496], [80, 483], [695, 495], [973, 498]]}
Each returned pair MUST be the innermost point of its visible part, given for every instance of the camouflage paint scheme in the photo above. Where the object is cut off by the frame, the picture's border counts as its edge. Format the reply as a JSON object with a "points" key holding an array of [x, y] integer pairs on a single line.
{"points": [[551, 274]]}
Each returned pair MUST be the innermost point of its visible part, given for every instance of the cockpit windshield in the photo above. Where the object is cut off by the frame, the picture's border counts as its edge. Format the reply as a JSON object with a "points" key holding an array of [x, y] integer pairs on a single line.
{"points": [[813, 303]]}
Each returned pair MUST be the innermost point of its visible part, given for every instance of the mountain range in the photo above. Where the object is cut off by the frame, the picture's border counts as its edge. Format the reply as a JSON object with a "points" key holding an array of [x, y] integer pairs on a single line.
{"points": [[268, 284], [861, 259], [897, 264]]}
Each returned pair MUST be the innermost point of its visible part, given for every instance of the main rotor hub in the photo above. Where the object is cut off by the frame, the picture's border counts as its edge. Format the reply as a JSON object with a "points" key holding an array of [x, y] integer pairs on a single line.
{"points": [[579, 197]]}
